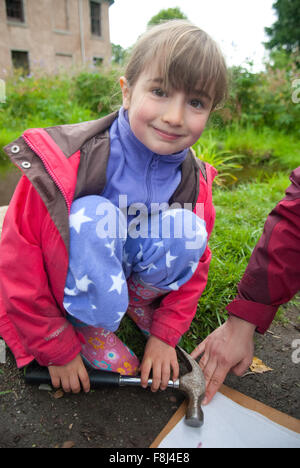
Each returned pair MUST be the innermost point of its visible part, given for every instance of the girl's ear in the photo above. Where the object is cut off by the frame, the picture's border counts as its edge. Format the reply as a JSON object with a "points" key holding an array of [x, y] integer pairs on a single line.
{"points": [[125, 92]]}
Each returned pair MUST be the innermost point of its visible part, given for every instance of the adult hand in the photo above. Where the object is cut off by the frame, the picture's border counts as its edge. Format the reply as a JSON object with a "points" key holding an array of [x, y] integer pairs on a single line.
{"points": [[228, 348], [70, 376]]}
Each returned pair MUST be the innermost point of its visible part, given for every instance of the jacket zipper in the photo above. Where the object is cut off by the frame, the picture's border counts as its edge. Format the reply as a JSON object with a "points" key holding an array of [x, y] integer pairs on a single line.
{"points": [[49, 171], [148, 179]]}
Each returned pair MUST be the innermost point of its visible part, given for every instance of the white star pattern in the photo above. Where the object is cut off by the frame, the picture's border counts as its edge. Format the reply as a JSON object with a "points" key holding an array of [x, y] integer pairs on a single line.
{"points": [[125, 259], [140, 253], [111, 246], [67, 305], [70, 292], [159, 244], [117, 283], [150, 267], [120, 314], [77, 219], [83, 283], [169, 259], [193, 266], [174, 286]]}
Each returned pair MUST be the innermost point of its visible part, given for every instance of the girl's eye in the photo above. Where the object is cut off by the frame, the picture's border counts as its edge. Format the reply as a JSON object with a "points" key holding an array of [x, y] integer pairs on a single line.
{"points": [[159, 92], [196, 104]]}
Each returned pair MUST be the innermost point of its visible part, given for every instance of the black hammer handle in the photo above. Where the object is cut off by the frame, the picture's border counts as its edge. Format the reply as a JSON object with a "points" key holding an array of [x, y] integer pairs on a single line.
{"points": [[37, 375]]}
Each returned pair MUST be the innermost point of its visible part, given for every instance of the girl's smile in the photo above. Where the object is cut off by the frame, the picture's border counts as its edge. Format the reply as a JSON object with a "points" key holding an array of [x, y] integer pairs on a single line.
{"points": [[166, 135]]}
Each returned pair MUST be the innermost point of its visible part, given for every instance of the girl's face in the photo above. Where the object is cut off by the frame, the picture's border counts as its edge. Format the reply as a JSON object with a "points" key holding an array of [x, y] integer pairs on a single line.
{"points": [[165, 121]]}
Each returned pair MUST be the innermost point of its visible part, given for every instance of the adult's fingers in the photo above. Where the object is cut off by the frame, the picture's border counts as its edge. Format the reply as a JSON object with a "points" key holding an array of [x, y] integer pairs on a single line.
{"points": [[242, 366], [198, 350], [215, 381]]}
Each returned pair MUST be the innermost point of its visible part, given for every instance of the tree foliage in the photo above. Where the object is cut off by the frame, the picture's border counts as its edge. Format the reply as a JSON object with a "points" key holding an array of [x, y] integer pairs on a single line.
{"points": [[119, 54], [284, 33], [167, 15]]}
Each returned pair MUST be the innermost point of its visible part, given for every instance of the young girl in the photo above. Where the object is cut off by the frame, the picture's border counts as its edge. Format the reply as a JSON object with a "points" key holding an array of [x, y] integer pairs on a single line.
{"points": [[112, 216]]}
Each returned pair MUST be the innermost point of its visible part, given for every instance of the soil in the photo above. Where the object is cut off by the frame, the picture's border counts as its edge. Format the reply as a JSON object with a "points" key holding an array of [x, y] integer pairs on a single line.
{"points": [[131, 417]]}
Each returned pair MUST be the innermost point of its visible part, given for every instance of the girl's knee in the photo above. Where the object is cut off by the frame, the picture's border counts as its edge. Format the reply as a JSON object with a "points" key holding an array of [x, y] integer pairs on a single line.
{"points": [[187, 233]]}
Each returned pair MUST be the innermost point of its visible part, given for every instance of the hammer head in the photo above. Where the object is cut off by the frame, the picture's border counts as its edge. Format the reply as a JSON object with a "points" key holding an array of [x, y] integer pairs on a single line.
{"points": [[193, 385]]}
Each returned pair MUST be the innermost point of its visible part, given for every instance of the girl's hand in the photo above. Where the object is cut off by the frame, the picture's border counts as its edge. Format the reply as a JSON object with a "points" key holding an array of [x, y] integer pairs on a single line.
{"points": [[69, 376], [161, 358]]}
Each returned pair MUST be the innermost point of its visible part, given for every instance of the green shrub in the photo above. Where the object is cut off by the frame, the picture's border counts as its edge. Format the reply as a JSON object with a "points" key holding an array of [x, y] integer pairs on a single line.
{"points": [[99, 92], [262, 99]]}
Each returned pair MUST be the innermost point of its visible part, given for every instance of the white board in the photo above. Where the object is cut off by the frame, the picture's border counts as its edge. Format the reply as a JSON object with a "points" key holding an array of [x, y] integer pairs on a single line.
{"points": [[230, 425]]}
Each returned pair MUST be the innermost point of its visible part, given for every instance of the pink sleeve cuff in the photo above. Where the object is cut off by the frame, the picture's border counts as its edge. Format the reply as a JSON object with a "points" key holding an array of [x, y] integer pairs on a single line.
{"points": [[165, 333]]}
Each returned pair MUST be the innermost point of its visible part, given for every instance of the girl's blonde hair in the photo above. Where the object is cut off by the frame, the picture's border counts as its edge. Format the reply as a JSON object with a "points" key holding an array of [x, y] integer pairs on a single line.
{"points": [[187, 59]]}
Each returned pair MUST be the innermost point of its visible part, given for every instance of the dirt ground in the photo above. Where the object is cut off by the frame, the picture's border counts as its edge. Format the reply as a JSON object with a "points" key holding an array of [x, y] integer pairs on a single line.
{"points": [[131, 417]]}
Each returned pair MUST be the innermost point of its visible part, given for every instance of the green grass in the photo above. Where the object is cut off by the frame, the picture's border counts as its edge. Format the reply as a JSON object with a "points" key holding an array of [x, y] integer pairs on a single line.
{"points": [[267, 147]]}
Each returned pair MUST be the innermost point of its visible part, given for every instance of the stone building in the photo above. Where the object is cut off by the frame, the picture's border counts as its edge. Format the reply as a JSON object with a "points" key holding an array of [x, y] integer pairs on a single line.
{"points": [[54, 34]]}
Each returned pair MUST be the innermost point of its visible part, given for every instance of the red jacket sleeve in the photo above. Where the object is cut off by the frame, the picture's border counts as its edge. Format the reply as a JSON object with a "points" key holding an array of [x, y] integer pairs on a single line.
{"points": [[27, 300], [178, 308], [272, 276]]}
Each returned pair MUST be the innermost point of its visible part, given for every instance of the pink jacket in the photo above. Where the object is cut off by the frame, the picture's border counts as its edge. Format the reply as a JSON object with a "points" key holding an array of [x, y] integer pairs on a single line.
{"points": [[60, 164]]}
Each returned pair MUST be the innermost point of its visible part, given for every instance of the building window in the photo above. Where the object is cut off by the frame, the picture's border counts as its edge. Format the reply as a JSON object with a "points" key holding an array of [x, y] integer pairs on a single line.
{"points": [[15, 10], [95, 8], [20, 60], [97, 61]]}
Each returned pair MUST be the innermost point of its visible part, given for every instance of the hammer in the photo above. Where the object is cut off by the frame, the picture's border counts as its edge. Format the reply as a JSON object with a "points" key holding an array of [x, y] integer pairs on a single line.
{"points": [[192, 384]]}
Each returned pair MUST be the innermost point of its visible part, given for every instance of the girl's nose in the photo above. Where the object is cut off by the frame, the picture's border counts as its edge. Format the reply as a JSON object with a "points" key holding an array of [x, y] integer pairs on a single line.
{"points": [[174, 112]]}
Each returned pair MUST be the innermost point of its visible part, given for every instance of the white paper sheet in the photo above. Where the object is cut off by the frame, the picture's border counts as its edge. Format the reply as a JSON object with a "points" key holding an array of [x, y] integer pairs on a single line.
{"points": [[229, 425]]}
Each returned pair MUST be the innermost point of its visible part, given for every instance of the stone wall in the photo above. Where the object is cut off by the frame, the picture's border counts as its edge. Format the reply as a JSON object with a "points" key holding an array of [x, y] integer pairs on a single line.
{"points": [[56, 34]]}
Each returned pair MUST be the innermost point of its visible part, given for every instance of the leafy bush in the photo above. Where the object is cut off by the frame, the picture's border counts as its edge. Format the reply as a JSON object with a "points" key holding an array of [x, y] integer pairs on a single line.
{"points": [[99, 92], [262, 99], [47, 100]]}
